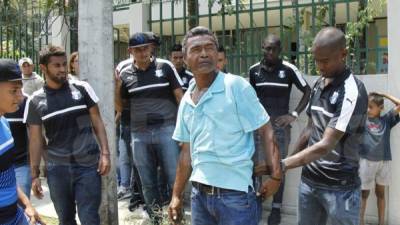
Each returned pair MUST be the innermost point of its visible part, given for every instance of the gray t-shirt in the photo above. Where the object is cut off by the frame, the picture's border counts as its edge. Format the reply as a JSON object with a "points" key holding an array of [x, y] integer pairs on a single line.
{"points": [[376, 138], [30, 86]]}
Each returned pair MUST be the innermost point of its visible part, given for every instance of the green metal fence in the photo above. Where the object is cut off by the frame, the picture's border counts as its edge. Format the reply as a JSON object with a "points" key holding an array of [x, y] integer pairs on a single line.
{"points": [[242, 25], [23, 30], [25, 27]]}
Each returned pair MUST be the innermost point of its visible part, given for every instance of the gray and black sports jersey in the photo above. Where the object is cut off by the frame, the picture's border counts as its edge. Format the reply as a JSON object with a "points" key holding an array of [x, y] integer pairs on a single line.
{"points": [[64, 113], [20, 133], [341, 105], [273, 88], [150, 94], [186, 76]]}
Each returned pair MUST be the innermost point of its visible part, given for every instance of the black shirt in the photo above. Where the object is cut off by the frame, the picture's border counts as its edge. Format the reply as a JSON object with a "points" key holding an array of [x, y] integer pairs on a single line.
{"points": [[342, 105], [185, 76], [64, 113], [273, 88], [152, 101], [20, 134]]}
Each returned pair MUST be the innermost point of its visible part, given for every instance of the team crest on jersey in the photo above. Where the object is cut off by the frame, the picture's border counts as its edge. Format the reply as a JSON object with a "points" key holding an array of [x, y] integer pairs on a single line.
{"points": [[184, 80], [76, 95], [282, 74], [159, 73], [334, 97]]}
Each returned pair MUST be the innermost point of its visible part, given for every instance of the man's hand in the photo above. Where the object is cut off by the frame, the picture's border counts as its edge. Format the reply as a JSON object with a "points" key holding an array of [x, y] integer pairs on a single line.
{"points": [[104, 164], [285, 120], [33, 216], [269, 188], [175, 210], [118, 117], [37, 188]]}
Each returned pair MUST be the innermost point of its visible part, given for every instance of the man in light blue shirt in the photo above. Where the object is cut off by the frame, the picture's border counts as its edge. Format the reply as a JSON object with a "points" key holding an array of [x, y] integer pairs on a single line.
{"points": [[216, 120]]}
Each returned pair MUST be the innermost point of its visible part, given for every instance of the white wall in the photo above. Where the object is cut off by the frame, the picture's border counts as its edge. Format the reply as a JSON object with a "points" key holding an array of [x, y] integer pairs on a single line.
{"points": [[394, 87], [135, 18]]}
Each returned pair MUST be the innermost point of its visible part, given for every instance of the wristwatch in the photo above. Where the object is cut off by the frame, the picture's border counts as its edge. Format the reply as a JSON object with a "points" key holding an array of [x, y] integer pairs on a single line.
{"points": [[294, 114]]}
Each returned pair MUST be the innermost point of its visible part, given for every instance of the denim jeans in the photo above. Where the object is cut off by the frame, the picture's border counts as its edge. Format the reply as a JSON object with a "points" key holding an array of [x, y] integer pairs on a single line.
{"points": [[24, 181], [153, 147], [75, 186], [20, 218], [125, 155], [282, 135], [316, 206], [226, 208]]}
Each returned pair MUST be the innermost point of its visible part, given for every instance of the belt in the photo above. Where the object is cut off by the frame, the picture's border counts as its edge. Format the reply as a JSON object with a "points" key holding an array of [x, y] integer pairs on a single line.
{"points": [[210, 190]]}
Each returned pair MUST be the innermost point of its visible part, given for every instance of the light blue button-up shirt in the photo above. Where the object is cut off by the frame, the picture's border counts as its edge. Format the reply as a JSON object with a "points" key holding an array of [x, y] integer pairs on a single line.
{"points": [[220, 129]]}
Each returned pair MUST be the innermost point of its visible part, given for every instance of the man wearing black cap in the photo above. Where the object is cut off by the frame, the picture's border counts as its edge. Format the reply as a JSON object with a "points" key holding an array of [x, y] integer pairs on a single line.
{"points": [[11, 97], [77, 150], [153, 89], [176, 57]]}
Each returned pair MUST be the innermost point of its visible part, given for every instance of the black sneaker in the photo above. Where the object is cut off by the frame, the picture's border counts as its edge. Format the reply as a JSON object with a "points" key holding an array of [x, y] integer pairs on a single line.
{"points": [[135, 202], [275, 217]]}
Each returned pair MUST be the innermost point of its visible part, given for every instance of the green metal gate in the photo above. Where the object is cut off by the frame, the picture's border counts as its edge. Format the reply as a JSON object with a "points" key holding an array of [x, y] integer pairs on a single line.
{"points": [[241, 25], [25, 26]]}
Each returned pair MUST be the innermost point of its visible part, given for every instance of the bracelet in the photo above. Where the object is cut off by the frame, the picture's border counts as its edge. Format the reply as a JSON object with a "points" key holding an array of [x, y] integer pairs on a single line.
{"points": [[275, 178], [105, 153]]}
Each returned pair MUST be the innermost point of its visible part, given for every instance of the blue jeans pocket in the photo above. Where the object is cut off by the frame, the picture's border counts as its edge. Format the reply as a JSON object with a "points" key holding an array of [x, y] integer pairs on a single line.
{"points": [[237, 200], [351, 200]]}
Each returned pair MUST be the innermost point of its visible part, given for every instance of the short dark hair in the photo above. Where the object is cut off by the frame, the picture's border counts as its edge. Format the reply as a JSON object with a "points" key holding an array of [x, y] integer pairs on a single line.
{"points": [[375, 98], [49, 51], [176, 48], [198, 31], [272, 38], [330, 37], [221, 49]]}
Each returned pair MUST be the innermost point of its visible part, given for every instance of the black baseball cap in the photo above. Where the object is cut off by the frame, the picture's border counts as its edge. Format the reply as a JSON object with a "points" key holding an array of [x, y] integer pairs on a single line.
{"points": [[153, 38], [138, 40], [9, 71]]}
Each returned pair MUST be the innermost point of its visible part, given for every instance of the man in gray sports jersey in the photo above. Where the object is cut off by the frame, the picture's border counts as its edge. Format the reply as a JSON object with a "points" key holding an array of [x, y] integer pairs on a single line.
{"points": [[153, 89], [77, 151], [328, 148]]}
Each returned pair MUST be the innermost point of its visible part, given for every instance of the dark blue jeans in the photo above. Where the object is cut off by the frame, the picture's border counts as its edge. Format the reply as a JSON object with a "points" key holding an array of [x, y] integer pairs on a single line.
{"points": [[317, 205], [153, 147], [125, 155], [75, 186], [227, 208], [282, 135]]}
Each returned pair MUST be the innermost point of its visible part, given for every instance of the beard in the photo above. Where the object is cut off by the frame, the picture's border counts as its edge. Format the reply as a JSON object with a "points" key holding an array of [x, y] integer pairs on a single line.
{"points": [[59, 79]]}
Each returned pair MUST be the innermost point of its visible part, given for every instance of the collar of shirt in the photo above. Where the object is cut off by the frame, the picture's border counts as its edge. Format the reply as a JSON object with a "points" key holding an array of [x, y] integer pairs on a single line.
{"points": [[216, 86], [266, 67], [51, 90], [338, 80]]}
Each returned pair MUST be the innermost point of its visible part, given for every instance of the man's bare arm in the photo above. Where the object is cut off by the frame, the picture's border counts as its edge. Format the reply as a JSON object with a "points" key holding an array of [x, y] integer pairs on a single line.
{"points": [[328, 142], [35, 154], [178, 93], [183, 172]]}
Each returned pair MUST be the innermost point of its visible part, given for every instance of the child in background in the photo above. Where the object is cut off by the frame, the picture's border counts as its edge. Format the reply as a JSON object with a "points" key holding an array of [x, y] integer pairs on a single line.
{"points": [[376, 154]]}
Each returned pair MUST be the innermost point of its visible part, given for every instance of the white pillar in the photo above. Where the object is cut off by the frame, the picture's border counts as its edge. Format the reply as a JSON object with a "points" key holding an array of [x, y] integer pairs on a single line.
{"points": [[393, 9], [96, 56], [140, 17], [60, 34]]}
